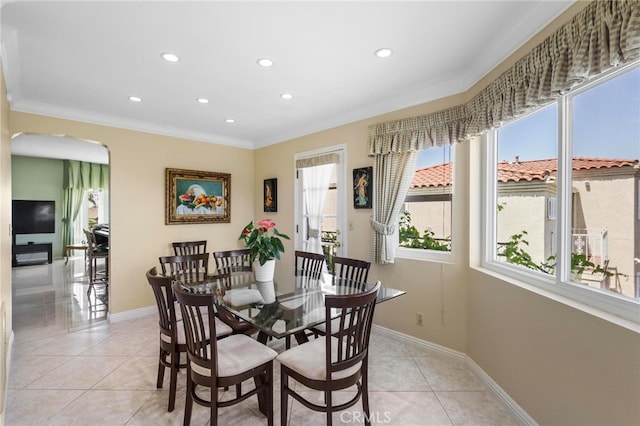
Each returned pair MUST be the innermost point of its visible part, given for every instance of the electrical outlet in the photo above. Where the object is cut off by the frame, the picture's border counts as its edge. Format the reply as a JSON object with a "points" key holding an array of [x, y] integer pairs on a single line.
{"points": [[420, 318]]}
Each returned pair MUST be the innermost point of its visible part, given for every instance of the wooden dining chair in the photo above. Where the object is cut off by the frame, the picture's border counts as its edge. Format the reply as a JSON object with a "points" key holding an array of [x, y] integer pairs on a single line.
{"points": [[193, 268], [352, 273], [310, 264], [237, 259], [334, 362], [235, 267], [352, 270], [188, 268], [172, 338], [94, 254], [189, 247], [221, 363]]}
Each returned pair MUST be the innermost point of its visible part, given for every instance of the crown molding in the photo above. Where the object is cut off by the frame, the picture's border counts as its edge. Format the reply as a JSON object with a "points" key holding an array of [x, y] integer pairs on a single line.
{"points": [[123, 123], [406, 100]]}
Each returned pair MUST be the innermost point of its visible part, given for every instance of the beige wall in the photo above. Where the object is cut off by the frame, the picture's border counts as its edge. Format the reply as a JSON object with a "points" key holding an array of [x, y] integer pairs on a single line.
{"points": [[435, 289], [561, 365], [137, 191]]}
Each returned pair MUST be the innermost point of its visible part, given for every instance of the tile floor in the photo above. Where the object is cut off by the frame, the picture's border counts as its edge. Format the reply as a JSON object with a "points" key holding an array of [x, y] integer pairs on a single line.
{"points": [[71, 367]]}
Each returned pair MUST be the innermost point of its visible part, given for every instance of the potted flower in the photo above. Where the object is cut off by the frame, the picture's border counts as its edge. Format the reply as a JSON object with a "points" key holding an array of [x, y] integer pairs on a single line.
{"points": [[263, 239]]}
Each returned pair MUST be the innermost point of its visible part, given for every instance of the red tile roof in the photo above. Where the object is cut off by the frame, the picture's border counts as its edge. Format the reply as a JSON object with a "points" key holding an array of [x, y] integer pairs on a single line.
{"points": [[438, 175], [515, 171]]}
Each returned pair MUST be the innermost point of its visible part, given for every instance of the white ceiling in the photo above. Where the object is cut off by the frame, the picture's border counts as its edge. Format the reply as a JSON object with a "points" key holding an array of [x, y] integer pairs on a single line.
{"points": [[81, 60]]}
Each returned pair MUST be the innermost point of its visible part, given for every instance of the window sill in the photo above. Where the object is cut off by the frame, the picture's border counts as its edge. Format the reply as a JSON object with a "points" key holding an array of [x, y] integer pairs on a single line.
{"points": [[428, 255], [617, 310]]}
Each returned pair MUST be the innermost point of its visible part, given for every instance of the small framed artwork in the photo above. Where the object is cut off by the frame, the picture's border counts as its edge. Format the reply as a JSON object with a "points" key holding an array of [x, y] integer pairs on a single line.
{"points": [[362, 187], [270, 195], [194, 196]]}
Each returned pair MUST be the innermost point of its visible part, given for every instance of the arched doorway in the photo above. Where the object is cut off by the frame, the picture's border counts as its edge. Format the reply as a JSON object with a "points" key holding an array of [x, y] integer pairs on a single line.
{"points": [[72, 174]]}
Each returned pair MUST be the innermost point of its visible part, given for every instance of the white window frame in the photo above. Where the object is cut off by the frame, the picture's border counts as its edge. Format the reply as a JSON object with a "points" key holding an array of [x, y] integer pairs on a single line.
{"points": [[341, 200], [435, 255], [604, 304]]}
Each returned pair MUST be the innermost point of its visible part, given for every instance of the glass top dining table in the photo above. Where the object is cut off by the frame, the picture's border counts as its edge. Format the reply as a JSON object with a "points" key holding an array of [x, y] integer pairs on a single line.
{"points": [[290, 304]]}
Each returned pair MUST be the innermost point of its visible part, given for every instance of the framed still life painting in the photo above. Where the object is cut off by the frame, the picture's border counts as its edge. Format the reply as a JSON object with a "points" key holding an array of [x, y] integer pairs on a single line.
{"points": [[362, 187], [270, 191], [194, 196]]}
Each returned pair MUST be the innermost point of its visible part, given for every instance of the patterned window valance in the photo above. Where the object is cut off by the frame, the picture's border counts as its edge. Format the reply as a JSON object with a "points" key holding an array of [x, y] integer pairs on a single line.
{"points": [[603, 35], [319, 160]]}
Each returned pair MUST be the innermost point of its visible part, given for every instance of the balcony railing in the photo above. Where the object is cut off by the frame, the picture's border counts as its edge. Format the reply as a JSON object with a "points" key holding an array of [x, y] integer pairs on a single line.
{"points": [[592, 244]]}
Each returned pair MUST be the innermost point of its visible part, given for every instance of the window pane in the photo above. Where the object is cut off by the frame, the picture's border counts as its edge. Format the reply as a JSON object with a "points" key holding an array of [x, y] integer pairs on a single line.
{"points": [[605, 230], [426, 220], [526, 191]]}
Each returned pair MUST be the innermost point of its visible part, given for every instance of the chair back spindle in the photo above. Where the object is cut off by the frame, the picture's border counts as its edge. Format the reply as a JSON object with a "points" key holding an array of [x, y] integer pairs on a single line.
{"points": [[310, 264], [234, 259], [188, 269], [351, 270]]}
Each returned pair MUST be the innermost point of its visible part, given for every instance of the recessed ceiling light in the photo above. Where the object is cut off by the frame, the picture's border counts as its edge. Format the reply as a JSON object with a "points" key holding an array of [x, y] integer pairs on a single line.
{"points": [[265, 62], [170, 57], [230, 120], [135, 99], [203, 100], [383, 53], [286, 96]]}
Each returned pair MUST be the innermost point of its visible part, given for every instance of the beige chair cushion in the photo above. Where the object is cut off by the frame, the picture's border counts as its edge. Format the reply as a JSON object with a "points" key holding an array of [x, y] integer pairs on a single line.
{"points": [[222, 329], [335, 324], [308, 359], [242, 296], [237, 354]]}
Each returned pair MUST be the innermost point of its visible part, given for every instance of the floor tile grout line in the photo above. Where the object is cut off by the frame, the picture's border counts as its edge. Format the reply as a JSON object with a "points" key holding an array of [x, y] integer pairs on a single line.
{"points": [[435, 394], [443, 407]]}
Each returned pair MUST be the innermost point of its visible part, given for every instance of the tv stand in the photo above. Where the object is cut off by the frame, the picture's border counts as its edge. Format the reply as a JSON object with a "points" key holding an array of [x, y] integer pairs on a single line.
{"points": [[28, 249]]}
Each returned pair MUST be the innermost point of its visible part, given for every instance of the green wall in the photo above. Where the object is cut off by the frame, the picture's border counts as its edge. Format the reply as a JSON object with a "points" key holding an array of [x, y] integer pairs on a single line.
{"points": [[39, 179]]}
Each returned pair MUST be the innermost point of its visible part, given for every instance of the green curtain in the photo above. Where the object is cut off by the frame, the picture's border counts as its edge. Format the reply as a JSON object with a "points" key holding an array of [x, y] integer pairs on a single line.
{"points": [[78, 177]]}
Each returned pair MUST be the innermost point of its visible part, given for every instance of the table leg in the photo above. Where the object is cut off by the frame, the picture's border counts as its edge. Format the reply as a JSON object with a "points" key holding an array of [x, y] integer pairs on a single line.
{"points": [[301, 337], [262, 337]]}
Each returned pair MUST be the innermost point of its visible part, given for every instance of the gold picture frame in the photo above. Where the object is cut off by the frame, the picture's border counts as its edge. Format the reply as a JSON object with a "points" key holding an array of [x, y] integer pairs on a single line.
{"points": [[195, 196]]}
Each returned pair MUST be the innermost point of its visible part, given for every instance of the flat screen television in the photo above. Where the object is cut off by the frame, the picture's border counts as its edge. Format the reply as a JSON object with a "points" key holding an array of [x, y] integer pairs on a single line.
{"points": [[33, 217]]}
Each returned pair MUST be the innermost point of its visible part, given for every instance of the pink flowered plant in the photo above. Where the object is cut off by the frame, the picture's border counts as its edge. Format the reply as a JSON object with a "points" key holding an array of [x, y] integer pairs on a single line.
{"points": [[263, 239], [266, 223]]}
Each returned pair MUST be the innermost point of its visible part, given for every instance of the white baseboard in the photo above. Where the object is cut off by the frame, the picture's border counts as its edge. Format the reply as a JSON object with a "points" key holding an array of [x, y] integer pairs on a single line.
{"points": [[133, 314], [512, 405]]}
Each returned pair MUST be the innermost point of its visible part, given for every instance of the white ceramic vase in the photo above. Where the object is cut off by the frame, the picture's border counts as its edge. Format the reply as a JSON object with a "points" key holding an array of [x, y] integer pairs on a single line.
{"points": [[264, 272], [267, 291]]}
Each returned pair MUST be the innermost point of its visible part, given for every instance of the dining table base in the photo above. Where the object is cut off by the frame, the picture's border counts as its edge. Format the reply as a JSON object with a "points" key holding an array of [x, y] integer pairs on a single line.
{"points": [[301, 337]]}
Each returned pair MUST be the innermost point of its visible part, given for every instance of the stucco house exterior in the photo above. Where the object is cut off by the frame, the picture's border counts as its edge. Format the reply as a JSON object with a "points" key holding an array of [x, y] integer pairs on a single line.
{"points": [[604, 212]]}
